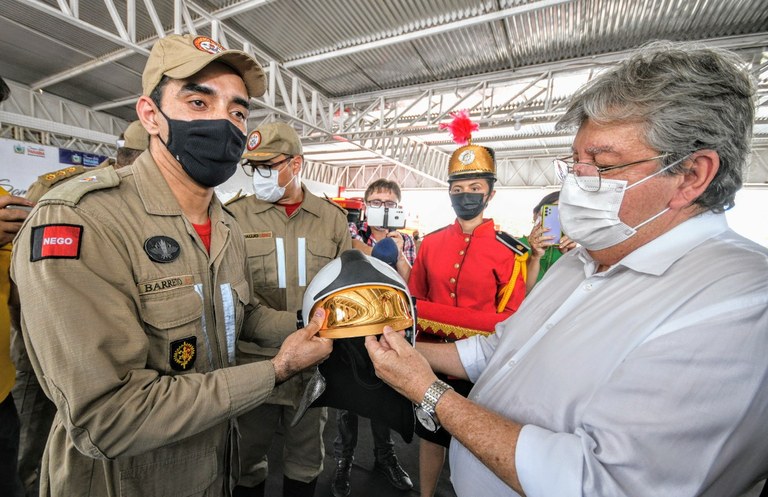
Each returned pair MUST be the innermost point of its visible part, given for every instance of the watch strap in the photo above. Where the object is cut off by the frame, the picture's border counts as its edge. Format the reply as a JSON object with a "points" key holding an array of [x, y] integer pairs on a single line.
{"points": [[433, 395]]}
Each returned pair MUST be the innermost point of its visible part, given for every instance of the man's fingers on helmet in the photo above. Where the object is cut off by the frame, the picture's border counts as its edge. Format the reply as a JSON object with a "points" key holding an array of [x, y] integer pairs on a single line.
{"points": [[316, 322]]}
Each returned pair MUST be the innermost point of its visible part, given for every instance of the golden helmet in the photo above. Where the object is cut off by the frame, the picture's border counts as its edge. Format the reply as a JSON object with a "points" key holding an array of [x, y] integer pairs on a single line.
{"points": [[360, 295]]}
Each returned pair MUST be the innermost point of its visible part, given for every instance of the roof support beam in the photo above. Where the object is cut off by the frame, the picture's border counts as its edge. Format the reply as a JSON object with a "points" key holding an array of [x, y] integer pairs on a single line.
{"points": [[423, 33]]}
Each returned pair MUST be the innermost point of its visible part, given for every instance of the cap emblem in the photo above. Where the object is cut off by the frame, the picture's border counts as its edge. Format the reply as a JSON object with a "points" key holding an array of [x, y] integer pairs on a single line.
{"points": [[254, 140], [206, 44], [467, 157]]}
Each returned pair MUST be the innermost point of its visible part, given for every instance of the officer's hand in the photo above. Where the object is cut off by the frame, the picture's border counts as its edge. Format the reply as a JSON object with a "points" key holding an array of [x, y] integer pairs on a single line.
{"points": [[302, 349], [399, 364], [11, 219]]}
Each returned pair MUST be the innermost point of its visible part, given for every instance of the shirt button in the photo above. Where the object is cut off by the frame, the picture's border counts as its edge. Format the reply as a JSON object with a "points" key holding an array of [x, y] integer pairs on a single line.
{"points": [[456, 266], [453, 295], [588, 286], [452, 280], [466, 239], [461, 252]]}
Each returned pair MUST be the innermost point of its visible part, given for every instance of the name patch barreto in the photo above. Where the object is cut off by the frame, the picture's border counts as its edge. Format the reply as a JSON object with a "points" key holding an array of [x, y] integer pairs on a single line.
{"points": [[56, 241], [163, 284]]}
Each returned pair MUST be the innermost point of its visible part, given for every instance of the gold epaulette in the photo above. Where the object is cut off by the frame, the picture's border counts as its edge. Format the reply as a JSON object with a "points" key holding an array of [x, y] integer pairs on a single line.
{"points": [[50, 179]]}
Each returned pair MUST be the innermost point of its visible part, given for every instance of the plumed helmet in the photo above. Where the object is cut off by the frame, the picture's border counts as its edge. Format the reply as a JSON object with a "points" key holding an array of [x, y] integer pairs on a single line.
{"points": [[472, 161], [360, 295], [468, 161]]}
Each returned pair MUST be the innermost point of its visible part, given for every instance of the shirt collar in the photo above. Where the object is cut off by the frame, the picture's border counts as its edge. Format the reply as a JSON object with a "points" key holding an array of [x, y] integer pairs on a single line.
{"points": [[157, 196], [656, 256], [484, 230]]}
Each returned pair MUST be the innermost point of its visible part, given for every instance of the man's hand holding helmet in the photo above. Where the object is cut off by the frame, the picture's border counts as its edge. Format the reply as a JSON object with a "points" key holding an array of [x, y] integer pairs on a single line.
{"points": [[302, 349], [400, 365]]}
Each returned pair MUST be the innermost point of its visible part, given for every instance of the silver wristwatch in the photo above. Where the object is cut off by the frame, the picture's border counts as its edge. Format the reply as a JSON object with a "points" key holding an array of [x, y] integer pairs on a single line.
{"points": [[425, 412]]}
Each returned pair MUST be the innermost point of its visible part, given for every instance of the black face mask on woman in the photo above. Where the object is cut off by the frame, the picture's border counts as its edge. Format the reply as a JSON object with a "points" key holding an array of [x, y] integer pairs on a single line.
{"points": [[467, 205], [207, 149]]}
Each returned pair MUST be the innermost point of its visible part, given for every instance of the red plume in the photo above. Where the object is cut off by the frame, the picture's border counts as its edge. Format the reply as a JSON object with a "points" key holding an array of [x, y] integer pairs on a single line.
{"points": [[461, 127]]}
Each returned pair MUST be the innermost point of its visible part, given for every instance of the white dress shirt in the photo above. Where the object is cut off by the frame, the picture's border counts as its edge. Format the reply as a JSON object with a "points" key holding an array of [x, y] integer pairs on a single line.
{"points": [[648, 379]]}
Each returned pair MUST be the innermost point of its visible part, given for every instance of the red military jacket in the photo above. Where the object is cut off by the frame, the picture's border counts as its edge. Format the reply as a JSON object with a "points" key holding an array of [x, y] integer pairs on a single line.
{"points": [[457, 279]]}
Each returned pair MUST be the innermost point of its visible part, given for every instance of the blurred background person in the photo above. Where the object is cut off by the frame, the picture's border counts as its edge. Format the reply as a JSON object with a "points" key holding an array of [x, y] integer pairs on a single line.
{"points": [[10, 223], [544, 252], [290, 234]]}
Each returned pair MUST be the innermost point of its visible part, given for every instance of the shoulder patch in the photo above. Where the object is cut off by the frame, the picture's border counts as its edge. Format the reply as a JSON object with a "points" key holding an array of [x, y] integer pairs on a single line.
{"points": [[50, 179], [512, 243], [73, 191], [56, 241]]}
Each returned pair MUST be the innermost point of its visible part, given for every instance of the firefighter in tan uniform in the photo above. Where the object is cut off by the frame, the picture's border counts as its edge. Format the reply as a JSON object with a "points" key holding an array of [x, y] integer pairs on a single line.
{"points": [[134, 289], [35, 410], [290, 234]]}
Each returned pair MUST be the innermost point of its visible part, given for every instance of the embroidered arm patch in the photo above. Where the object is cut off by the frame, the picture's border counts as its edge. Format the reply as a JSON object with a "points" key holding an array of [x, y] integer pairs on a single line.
{"points": [[56, 241]]}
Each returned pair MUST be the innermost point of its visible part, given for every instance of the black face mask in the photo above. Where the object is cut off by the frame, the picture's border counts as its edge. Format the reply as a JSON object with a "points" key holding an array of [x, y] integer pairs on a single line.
{"points": [[467, 205], [207, 149]]}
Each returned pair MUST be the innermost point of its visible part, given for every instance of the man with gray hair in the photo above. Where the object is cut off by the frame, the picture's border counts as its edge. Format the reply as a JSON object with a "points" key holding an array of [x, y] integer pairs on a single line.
{"points": [[637, 367]]}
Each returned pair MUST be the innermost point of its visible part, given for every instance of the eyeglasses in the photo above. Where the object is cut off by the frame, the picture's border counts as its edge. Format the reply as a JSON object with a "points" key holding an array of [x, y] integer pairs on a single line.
{"points": [[263, 168], [588, 174], [389, 204]]}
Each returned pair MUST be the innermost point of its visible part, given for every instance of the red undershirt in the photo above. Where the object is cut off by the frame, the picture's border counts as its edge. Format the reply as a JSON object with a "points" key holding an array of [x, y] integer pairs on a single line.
{"points": [[291, 208], [204, 232]]}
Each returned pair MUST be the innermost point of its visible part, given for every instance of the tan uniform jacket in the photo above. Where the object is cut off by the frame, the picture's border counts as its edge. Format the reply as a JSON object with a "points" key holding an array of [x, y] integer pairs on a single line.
{"points": [[284, 254], [135, 352]]}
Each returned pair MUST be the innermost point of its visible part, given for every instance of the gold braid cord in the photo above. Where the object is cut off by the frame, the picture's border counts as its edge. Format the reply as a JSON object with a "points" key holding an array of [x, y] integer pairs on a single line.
{"points": [[448, 330]]}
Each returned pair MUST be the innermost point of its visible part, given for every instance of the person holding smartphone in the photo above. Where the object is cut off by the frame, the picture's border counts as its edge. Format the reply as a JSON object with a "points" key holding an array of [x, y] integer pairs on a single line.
{"points": [[547, 241], [466, 279]]}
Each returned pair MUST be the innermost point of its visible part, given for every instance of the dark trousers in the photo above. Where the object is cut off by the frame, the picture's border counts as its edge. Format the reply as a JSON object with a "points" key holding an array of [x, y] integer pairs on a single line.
{"points": [[346, 440], [10, 485]]}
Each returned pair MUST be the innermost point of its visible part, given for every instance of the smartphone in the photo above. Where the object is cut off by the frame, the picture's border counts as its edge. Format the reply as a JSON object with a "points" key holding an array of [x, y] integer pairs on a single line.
{"points": [[19, 207], [550, 220], [384, 217]]}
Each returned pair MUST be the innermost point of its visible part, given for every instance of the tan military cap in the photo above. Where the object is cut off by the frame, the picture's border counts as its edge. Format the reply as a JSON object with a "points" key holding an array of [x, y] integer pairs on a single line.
{"points": [[181, 56], [270, 140], [135, 136]]}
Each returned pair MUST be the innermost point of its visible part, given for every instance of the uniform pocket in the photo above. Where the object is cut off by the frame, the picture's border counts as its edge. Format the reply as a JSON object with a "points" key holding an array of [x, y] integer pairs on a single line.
{"points": [[319, 253], [262, 261], [173, 323]]}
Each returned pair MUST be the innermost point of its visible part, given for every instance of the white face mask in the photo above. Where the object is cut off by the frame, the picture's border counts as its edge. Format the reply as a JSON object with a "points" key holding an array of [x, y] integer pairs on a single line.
{"points": [[591, 219], [268, 189]]}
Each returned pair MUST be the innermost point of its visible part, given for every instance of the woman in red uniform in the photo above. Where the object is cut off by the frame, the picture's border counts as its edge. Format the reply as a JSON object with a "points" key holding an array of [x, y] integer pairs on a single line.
{"points": [[467, 277]]}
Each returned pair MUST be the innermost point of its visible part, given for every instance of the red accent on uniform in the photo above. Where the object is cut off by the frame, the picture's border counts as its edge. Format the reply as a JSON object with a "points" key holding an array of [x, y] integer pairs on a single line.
{"points": [[290, 208], [61, 241], [204, 232]]}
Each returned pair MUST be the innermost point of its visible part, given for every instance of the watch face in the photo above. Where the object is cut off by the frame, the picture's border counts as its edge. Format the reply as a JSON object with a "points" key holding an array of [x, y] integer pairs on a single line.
{"points": [[426, 420]]}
